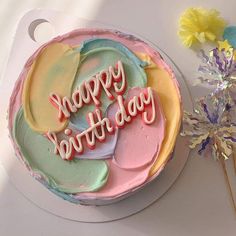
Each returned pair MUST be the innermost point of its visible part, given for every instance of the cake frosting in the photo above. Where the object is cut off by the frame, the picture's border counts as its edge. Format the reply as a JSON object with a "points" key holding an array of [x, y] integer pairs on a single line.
{"points": [[94, 115]]}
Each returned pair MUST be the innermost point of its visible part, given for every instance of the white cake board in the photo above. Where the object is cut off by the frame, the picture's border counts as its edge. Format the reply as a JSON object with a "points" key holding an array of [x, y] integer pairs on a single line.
{"points": [[23, 46]]}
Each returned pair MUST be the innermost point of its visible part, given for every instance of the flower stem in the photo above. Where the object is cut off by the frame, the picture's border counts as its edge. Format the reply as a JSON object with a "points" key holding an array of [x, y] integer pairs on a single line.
{"points": [[222, 161]]}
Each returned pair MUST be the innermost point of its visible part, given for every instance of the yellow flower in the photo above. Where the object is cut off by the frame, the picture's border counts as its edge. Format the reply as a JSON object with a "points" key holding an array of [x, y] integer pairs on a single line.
{"points": [[224, 45], [200, 25]]}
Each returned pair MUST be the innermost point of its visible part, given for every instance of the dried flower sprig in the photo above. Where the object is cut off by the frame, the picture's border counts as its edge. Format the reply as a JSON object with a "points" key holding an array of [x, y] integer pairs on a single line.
{"points": [[211, 126]]}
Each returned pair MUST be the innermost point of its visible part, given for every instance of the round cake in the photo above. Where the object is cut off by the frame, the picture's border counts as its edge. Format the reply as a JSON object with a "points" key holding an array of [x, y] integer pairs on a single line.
{"points": [[94, 115]]}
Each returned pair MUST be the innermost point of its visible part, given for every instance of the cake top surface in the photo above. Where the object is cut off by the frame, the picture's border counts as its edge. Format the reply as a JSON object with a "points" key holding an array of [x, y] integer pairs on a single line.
{"points": [[95, 114]]}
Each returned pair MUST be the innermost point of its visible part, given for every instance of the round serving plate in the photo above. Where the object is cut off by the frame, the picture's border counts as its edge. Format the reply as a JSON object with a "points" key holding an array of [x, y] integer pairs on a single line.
{"points": [[25, 43]]}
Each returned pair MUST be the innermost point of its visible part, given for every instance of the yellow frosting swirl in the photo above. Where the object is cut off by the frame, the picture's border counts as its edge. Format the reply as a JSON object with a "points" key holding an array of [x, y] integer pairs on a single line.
{"points": [[53, 70], [162, 82]]}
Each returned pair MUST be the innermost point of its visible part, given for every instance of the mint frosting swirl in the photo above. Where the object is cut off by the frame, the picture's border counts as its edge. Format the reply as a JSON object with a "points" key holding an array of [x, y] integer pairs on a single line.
{"points": [[97, 55], [64, 176]]}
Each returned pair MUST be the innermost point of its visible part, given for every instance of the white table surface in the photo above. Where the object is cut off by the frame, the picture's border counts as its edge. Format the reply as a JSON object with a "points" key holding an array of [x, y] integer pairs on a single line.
{"points": [[198, 203]]}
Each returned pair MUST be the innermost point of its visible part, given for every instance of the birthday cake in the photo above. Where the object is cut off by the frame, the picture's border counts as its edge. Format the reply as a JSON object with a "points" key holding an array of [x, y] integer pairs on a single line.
{"points": [[94, 115]]}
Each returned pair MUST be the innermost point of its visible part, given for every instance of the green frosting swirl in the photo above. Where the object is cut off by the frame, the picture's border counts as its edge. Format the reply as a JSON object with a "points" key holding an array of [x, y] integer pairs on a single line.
{"points": [[67, 176], [97, 55]]}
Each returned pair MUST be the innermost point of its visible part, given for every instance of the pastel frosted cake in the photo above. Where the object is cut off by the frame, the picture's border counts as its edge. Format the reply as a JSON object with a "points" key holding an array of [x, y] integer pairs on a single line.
{"points": [[94, 115]]}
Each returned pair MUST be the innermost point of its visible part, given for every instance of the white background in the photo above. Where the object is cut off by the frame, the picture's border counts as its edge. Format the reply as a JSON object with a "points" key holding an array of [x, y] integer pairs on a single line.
{"points": [[198, 203]]}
